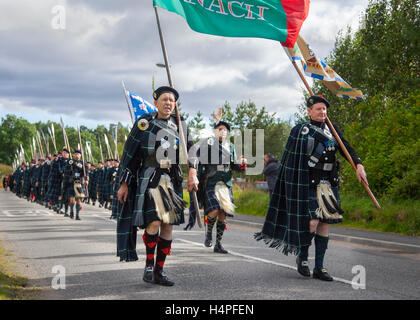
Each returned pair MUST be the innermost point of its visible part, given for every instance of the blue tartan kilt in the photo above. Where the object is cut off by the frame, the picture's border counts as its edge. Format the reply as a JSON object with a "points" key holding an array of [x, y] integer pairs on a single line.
{"points": [[211, 202], [313, 205], [150, 213]]}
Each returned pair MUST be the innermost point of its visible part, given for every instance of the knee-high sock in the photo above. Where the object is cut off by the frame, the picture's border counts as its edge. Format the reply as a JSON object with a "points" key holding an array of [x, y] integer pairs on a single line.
{"points": [[221, 226], [66, 207], [210, 224], [163, 250], [71, 207], [303, 255], [150, 241], [77, 208], [321, 245]]}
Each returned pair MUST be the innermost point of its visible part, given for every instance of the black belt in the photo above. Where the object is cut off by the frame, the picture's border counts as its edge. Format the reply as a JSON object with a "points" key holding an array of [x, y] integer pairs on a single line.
{"points": [[324, 166]]}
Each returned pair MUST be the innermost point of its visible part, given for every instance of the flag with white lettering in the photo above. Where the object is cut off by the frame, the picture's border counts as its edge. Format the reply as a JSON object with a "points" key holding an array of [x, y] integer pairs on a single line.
{"points": [[278, 20], [140, 106]]}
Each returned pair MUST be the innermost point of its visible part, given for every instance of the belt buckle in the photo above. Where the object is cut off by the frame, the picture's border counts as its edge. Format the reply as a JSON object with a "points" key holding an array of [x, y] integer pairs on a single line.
{"points": [[165, 163], [328, 166]]}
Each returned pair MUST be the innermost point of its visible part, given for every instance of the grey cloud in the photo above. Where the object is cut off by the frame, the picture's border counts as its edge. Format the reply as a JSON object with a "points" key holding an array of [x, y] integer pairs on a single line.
{"points": [[55, 71]]}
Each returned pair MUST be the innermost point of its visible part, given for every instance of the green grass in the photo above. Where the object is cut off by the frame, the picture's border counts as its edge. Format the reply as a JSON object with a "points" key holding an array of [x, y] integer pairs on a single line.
{"points": [[395, 216], [12, 285]]}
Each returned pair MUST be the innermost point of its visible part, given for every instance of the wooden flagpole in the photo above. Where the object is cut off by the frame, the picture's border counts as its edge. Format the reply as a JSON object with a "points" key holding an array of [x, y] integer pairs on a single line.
{"points": [[181, 131], [130, 107], [334, 132]]}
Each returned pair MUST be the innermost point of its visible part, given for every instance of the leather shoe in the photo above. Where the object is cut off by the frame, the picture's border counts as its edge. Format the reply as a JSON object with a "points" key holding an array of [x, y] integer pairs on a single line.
{"points": [[302, 267], [219, 249], [208, 241], [322, 274], [162, 279], [149, 274]]}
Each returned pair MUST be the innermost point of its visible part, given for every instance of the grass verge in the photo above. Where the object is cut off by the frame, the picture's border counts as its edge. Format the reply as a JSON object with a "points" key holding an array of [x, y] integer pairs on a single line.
{"points": [[12, 285]]}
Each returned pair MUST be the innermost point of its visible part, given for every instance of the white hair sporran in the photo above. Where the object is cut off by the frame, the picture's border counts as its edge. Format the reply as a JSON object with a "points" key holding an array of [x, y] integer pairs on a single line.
{"points": [[78, 190], [167, 201], [328, 205], [223, 196]]}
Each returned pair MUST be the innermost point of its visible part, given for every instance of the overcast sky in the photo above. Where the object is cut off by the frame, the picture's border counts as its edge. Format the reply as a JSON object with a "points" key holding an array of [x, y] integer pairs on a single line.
{"points": [[76, 72]]}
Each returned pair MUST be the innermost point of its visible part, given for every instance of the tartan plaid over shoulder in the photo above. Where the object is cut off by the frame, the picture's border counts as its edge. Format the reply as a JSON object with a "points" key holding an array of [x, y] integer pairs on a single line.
{"points": [[286, 225], [130, 214]]}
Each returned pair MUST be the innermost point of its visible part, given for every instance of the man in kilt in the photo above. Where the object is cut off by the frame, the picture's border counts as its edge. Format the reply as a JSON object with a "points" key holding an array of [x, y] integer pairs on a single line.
{"points": [[76, 182], [92, 183], [27, 187], [154, 203], [100, 183], [36, 181], [45, 182], [88, 173], [112, 189], [305, 198], [54, 182], [18, 181], [217, 158], [109, 170], [115, 187]]}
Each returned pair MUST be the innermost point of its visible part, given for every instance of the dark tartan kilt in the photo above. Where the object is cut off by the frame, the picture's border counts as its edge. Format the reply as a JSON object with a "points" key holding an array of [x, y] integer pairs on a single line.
{"points": [[70, 192], [54, 191], [150, 214], [211, 202], [313, 205], [92, 191]]}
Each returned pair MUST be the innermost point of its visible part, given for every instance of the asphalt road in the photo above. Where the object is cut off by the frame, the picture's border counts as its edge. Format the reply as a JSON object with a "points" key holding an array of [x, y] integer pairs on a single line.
{"points": [[47, 246]]}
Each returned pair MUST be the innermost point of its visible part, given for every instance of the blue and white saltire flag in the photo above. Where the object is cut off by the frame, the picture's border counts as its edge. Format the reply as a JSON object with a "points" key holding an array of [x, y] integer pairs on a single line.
{"points": [[140, 106]]}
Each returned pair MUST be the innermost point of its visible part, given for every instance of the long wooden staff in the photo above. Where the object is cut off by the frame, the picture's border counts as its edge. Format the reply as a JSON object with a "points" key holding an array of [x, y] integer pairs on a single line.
{"points": [[178, 118], [83, 161], [100, 149], [334, 132]]}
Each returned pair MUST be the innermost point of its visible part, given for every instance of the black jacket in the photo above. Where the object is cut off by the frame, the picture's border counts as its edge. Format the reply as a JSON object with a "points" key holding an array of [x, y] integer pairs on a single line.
{"points": [[270, 172]]}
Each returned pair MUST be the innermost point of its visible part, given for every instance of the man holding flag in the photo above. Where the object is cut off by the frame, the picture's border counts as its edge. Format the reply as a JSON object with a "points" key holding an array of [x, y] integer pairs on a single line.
{"points": [[151, 157], [305, 198]]}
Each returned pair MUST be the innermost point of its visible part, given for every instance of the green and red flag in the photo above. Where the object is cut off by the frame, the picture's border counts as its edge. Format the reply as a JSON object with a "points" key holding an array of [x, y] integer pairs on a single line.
{"points": [[278, 20]]}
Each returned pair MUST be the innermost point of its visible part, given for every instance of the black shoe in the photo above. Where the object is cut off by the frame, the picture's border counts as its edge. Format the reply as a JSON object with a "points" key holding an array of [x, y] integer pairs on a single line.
{"points": [[303, 267], [78, 218], [322, 274], [208, 241], [162, 279], [149, 274], [219, 249], [93, 203], [66, 215], [71, 215]]}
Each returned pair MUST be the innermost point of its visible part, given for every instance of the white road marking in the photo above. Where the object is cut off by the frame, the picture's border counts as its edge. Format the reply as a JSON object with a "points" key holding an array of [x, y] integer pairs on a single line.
{"points": [[264, 261], [342, 235]]}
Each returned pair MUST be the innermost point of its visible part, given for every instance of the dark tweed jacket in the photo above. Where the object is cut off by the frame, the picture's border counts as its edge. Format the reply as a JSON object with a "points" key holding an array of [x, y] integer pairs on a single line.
{"points": [[137, 175]]}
